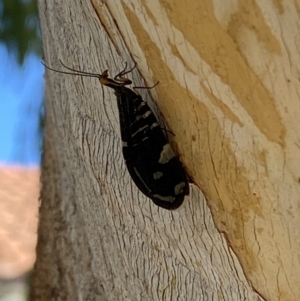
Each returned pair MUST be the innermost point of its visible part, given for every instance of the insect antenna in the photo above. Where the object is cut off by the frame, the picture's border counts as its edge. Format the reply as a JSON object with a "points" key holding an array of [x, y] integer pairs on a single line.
{"points": [[75, 72]]}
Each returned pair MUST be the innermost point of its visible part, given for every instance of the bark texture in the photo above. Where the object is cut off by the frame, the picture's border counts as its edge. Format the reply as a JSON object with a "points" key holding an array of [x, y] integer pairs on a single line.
{"points": [[229, 91]]}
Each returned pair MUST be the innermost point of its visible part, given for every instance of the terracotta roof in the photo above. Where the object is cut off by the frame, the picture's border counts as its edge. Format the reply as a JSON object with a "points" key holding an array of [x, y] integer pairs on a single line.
{"points": [[19, 192]]}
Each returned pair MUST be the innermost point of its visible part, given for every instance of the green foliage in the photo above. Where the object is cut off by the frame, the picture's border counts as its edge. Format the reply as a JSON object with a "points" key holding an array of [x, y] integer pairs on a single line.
{"points": [[19, 27]]}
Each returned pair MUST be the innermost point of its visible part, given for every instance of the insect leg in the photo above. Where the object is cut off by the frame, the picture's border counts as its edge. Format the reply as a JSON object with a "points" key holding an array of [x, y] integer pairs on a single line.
{"points": [[124, 72], [120, 76], [145, 88]]}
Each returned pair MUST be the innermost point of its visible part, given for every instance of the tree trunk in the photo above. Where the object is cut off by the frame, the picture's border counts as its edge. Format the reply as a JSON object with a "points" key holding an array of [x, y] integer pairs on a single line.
{"points": [[229, 91]]}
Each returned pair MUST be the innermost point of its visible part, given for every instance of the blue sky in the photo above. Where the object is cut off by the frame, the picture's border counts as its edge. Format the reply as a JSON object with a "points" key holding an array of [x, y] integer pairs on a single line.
{"points": [[21, 90]]}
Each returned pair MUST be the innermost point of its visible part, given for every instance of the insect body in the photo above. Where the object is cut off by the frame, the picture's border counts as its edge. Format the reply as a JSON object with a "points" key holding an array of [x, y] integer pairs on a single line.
{"points": [[149, 158]]}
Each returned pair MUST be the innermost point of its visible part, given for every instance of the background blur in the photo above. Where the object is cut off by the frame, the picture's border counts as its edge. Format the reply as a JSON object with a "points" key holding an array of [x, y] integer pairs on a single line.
{"points": [[21, 127]]}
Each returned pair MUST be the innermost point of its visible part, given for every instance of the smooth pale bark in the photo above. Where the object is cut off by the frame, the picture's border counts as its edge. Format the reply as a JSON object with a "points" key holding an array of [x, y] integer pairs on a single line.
{"points": [[229, 91]]}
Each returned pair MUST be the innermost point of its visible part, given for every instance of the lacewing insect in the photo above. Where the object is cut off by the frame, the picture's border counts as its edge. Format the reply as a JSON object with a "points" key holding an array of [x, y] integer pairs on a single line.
{"points": [[149, 158]]}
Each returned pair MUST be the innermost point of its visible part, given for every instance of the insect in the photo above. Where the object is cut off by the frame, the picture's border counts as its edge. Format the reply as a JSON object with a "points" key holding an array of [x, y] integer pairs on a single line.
{"points": [[148, 155]]}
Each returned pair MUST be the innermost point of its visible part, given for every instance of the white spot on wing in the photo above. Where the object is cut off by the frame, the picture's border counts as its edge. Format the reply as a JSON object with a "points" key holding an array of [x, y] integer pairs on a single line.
{"points": [[157, 175], [141, 105], [138, 117], [153, 125], [145, 115], [179, 188], [139, 130], [164, 198], [166, 154]]}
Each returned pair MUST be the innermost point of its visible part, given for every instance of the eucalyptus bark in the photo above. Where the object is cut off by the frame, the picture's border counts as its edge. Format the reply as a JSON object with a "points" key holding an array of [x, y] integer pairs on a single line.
{"points": [[229, 91]]}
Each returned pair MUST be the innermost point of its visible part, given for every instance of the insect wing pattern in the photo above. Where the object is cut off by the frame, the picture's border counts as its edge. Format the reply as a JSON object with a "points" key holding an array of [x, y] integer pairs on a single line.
{"points": [[150, 160]]}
